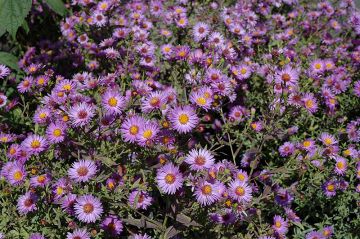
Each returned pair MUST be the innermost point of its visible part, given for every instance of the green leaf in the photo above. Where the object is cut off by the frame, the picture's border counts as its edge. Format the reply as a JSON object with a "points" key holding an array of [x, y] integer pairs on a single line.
{"points": [[13, 14], [9, 60], [58, 6]]}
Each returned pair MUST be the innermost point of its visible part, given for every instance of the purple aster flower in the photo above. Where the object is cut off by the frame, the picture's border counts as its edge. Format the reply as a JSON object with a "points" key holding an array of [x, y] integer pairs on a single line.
{"points": [[184, 119], [340, 166], [287, 149], [140, 199], [243, 72], [207, 193], [287, 77], [36, 236], [88, 208], [113, 102], [238, 113], [56, 132], [280, 225], [329, 188], [147, 133], [283, 197], [327, 139], [317, 66], [155, 100], [3, 100], [42, 80], [82, 171], [141, 236], [78, 234], [310, 102], [240, 191], [26, 203], [181, 52], [241, 176], [357, 88], [42, 115], [291, 215], [34, 144], [16, 174], [130, 128], [13, 151], [68, 202], [112, 225], [4, 71], [202, 98], [328, 231], [40, 180], [200, 159], [169, 178], [81, 114], [61, 187], [314, 235], [200, 31], [308, 145], [26, 84]]}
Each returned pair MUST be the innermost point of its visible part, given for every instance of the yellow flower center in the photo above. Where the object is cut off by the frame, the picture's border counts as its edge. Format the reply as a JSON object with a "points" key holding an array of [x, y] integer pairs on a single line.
{"points": [[317, 66], [18, 175], [201, 101], [167, 49], [183, 119], [134, 129], [112, 101], [67, 87], [88, 208], [57, 132], [243, 71], [35, 144], [206, 189], [42, 115], [147, 134], [340, 165], [41, 81], [307, 143], [182, 21], [170, 178], [12, 151], [65, 118], [41, 179], [240, 191], [330, 187], [277, 224], [309, 103], [241, 177], [328, 141]]}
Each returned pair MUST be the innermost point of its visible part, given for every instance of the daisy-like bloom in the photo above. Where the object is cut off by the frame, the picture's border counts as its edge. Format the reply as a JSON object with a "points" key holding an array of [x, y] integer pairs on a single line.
{"points": [[183, 119], [99, 19], [238, 113], [61, 187], [4, 71], [78, 234], [26, 84], [112, 225], [241, 176], [82, 171], [13, 151], [280, 225], [130, 128], [113, 102], [3, 100], [200, 31], [357, 88], [216, 40], [35, 144], [310, 102], [169, 178], [328, 139], [287, 149], [26, 203], [207, 193], [42, 80], [36, 236], [147, 133], [17, 174], [308, 145], [140, 199], [200, 159], [88, 208], [314, 235], [153, 101], [202, 98], [56, 132], [340, 166], [40, 180], [240, 191], [287, 76], [328, 231], [329, 188], [182, 22], [68, 202], [140, 236], [181, 52], [81, 114], [257, 126], [317, 66], [243, 72], [283, 197]]}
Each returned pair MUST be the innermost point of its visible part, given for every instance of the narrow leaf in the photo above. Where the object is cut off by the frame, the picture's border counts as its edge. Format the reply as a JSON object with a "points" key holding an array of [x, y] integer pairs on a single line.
{"points": [[9, 60]]}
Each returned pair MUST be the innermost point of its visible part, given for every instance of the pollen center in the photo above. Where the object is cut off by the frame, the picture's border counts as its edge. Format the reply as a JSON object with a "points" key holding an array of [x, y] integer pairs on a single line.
{"points": [[35, 144], [183, 119], [206, 189], [18, 175], [170, 178], [134, 129], [240, 191], [112, 101], [82, 171], [88, 208], [57, 132], [201, 101], [147, 134]]}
